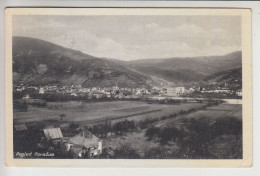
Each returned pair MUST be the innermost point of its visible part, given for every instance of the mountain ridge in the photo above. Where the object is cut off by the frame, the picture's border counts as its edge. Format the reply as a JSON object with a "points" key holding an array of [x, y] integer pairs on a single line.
{"points": [[36, 61]]}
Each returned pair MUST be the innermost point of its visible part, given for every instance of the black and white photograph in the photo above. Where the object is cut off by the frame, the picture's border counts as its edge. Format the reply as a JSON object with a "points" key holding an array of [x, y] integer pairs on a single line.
{"points": [[127, 86]]}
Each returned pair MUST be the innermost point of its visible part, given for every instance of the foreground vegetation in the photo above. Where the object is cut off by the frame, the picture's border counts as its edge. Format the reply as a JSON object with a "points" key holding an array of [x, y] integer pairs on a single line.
{"points": [[180, 134], [197, 139]]}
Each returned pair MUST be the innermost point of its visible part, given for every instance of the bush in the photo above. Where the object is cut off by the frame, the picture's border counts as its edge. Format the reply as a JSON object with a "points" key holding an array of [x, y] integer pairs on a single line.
{"points": [[227, 126], [101, 130], [124, 126], [169, 133], [126, 151], [195, 142], [145, 123], [152, 132]]}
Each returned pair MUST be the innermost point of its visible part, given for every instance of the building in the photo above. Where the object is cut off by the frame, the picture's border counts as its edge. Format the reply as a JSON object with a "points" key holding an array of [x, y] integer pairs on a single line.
{"points": [[73, 94], [27, 96], [191, 89], [84, 145], [52, 133], [115, 88], [41, 91], [20, 127], [216, 91], [97, 95], [175, 91], [239, 92]]}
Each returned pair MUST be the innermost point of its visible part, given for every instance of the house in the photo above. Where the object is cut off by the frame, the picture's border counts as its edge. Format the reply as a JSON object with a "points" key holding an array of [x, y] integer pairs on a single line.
{"points": [[53, 133], [97, 95], [175, 91], [84, 145], [121, 95], [239, 92], [73, 94], [19, 89], [20, 127], [41, 91], [27, 96], [191, 89], [115, 88]]}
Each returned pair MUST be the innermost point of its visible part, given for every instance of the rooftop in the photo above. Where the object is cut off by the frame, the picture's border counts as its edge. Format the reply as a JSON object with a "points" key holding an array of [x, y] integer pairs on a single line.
{"points": [[86, 139], [53, 133]]}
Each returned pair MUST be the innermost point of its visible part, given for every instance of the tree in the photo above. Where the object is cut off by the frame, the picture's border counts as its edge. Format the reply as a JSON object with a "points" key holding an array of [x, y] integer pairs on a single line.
{"points": [[124, 126]]}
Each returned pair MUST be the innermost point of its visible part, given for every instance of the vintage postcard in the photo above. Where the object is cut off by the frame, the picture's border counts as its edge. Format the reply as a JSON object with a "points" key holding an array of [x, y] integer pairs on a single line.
{"points": [[128, 87]]}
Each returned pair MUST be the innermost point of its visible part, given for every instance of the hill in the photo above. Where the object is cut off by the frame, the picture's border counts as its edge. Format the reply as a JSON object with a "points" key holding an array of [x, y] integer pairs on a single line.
{"points": [[37, 62], [187, 69], [232, 78]]}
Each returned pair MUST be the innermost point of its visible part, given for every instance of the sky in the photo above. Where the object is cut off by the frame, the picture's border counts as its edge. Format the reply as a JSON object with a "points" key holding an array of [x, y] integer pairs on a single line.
{"points": [[136, 37]]}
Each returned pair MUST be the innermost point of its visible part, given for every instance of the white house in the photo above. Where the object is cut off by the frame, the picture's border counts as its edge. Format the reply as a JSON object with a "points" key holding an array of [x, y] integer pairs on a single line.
{"points": [[41, 91], [27, 96], [239, 92], [175, 91], [85, 144]]}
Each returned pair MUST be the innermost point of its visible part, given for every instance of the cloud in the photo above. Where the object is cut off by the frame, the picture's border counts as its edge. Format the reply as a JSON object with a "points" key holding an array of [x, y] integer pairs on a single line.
{"points": [[128, 40], [106, 47], [192, 34]]}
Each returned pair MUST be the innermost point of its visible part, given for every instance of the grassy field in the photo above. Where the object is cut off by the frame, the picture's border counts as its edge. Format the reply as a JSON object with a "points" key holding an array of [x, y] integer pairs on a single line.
{"points": [[222, 110], [90, 113]]}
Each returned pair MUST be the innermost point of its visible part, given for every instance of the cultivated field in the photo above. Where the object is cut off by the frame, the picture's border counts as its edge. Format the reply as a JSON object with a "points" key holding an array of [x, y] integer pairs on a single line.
{"points": [[222, 110], [214, 112], [91, 113]]}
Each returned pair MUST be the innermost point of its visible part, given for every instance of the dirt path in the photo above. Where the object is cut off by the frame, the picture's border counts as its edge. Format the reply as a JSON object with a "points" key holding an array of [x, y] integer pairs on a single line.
{"points": [[167, 121], [227, 114]]}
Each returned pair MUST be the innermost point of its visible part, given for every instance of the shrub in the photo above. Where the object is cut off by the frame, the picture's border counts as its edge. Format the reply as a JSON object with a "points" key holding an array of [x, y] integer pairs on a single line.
{"points": [[124, 126], [152, 132], [194, 143], [126, 151], [227, 126], [145, 123], [169, 133]]}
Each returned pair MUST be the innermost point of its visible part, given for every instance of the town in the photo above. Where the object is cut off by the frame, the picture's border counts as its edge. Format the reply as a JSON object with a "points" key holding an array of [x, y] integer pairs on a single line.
{"points": [[75, 91]]}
